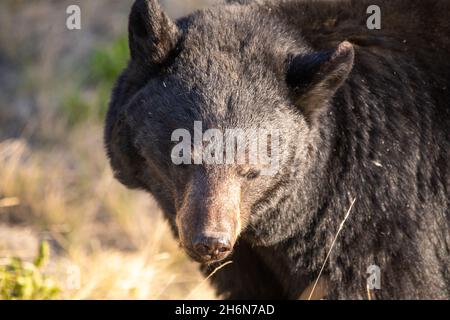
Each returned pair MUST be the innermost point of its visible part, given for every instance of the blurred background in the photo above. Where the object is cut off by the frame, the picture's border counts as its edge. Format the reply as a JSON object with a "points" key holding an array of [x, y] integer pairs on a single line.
{"points": [[68, 230]]}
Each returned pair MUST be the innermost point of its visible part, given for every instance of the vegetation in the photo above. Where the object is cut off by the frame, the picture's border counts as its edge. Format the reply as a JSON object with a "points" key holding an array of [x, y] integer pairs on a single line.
{"points": [[105, 64], [22, 280]]}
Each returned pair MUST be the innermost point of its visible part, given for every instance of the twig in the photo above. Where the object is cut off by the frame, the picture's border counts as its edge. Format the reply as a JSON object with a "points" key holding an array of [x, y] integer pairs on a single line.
{"points": [[207, 278], [331, 248], [369, 295]]}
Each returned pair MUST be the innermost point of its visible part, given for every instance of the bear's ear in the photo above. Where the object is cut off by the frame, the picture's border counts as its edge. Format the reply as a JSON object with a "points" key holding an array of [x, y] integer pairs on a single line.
{"points": [[314, 78], [152, 35]]}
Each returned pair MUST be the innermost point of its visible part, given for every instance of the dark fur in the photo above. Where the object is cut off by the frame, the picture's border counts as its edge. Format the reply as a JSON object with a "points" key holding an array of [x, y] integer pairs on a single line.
{"points": [[382, 137]]}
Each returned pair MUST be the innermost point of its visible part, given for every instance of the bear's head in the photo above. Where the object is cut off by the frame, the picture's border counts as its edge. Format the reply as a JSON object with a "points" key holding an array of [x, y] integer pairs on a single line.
{"points": [[216, 114]]}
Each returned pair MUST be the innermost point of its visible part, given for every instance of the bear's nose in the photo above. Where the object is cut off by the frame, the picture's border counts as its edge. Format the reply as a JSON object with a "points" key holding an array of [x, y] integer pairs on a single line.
{"points": [[212, 247]]}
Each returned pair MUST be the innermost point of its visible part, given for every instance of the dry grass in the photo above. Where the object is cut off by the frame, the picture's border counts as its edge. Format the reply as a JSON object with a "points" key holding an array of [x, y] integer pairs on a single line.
{"points": [[322, 287]]}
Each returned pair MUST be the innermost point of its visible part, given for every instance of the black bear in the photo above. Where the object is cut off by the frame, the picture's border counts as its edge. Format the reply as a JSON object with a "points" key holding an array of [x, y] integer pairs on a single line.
{"points": [[361, 193]]}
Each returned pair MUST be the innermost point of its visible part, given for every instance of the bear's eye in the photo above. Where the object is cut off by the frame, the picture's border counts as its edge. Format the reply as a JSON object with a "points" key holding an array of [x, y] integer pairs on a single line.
{"points": [[249, 173], [252, 174]]}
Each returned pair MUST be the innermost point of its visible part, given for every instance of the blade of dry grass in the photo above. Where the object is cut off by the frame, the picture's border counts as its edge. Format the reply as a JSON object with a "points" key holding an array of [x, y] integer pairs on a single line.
{"points": [[331, 248], [207, 278], [369, 294], [9, 202]]}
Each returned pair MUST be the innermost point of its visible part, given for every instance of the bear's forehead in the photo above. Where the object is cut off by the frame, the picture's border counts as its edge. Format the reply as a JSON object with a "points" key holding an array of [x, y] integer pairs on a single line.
{"points": [[229, 71], [236, 34]]}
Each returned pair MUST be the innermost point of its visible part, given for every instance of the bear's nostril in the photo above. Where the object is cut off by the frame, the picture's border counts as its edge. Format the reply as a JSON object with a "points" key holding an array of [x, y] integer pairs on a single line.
{"points": [[223, 249], [202, 249], [210, 248]]}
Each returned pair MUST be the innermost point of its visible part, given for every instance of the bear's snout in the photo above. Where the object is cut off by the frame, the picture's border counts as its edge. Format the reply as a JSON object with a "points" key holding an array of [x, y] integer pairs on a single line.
{"points": [[209, 217], [212, 247], [208, 243]]}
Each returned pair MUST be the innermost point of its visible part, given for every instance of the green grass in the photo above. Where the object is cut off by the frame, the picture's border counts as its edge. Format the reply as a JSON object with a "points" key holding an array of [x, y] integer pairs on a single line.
{"points": [[20, 280], [108, 62], [104, 66]]}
